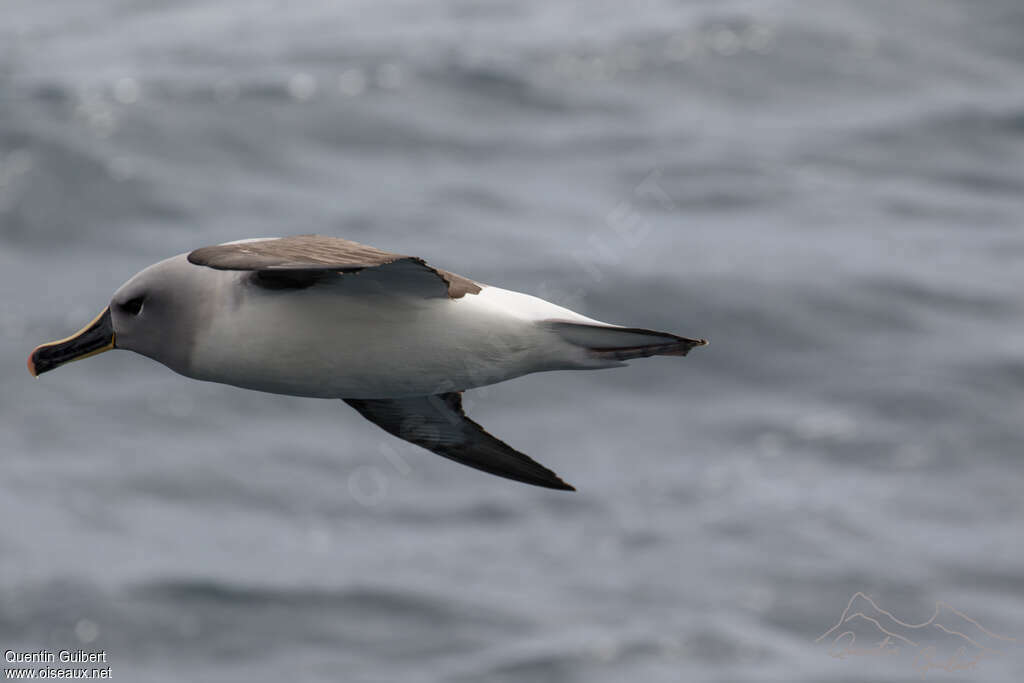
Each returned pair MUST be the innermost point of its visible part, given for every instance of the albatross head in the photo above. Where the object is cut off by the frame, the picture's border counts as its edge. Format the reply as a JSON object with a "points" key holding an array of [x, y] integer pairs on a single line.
{"points": [[151, 314]]}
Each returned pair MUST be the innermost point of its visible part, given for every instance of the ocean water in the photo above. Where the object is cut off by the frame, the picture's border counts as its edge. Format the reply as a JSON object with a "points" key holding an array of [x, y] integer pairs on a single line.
{"points": [[831, 192]]}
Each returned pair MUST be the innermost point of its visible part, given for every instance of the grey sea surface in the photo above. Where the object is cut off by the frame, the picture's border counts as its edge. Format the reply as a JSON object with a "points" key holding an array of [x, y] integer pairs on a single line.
{"points": [[831, 192]]}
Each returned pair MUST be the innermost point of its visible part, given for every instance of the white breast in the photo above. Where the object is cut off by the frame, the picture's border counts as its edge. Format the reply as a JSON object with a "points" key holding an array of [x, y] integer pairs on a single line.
{"points": [[321, 342]]}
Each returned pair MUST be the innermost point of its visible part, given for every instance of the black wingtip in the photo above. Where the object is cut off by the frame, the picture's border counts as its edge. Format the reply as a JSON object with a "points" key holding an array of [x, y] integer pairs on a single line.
{"points": [[464, 441], [552, 482], [545, 478]]}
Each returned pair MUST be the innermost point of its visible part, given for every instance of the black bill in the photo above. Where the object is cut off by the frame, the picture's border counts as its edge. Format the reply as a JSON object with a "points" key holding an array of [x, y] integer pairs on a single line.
{"points": [[96, 337]]}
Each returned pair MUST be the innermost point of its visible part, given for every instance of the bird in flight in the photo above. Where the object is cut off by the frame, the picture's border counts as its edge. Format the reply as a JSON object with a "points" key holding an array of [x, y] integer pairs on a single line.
{"points": [[394, 337]]}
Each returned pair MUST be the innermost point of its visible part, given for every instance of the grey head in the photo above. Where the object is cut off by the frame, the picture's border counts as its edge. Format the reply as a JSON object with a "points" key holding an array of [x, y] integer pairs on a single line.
{"points": [[156, 313]]}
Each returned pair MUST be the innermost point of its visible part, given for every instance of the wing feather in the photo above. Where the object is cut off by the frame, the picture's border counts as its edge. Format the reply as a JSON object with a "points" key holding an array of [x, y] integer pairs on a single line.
{"points": [[305, 260], [439, 424]]}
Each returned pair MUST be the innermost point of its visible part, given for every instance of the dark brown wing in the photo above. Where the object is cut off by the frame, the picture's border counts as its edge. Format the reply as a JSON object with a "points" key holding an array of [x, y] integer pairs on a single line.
{"points": [[438, 424], [304, 260]]}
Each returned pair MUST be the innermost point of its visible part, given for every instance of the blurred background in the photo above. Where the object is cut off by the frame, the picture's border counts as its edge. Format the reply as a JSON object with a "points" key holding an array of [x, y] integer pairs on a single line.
{"points": [[831, 192]]}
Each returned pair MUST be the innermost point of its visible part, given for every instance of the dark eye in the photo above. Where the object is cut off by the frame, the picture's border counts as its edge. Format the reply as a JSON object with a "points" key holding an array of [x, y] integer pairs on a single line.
{"points": [[133, 306]]}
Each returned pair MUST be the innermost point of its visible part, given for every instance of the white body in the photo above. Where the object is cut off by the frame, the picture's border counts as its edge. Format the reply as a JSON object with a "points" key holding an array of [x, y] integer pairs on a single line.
{"points": [[322, 342]]}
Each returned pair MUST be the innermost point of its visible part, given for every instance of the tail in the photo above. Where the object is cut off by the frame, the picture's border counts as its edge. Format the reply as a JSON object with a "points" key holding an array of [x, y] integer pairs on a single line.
{"points": [[622, 343]]}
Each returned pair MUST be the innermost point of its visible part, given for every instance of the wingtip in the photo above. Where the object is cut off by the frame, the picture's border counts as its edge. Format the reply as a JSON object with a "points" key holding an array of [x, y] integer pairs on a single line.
{"points": [[547, 479]]}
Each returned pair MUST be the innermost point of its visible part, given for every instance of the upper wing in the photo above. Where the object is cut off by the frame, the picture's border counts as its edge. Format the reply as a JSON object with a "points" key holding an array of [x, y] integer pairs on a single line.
{"points": [[305, 260], [438, 424]]}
